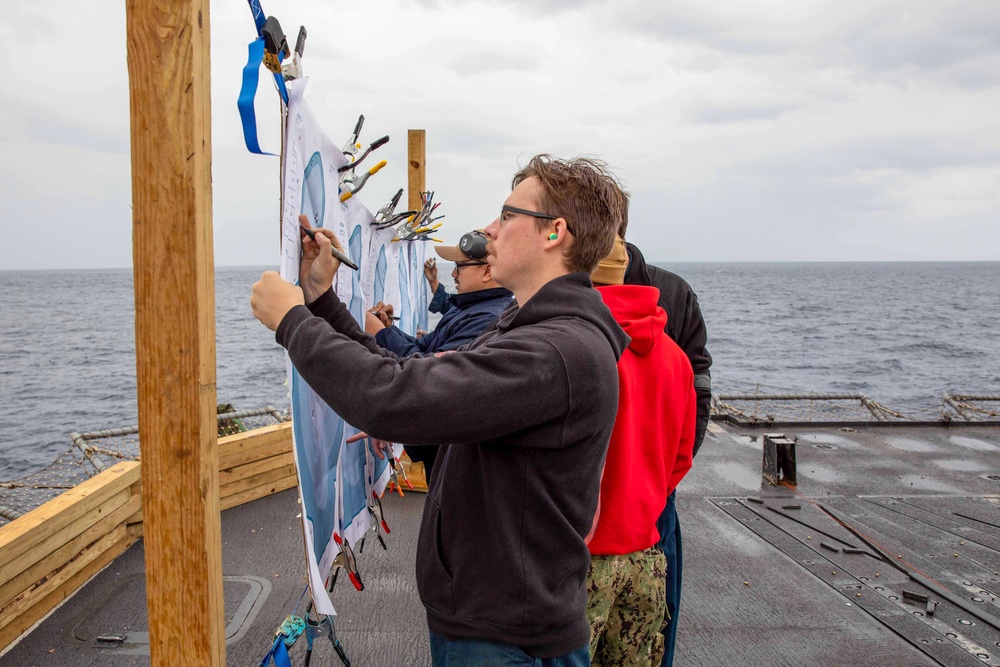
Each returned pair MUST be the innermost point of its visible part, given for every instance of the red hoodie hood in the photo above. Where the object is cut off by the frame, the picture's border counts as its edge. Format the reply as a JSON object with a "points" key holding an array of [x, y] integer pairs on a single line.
{"points": [[635, 309]]}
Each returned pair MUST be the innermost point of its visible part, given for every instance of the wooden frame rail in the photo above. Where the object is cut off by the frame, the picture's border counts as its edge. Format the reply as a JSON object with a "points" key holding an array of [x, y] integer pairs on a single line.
{"points": [[52, 551]]}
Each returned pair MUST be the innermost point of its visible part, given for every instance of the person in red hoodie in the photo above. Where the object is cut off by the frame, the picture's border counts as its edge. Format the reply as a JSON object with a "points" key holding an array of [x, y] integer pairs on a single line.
{"points": [[649, 454]]}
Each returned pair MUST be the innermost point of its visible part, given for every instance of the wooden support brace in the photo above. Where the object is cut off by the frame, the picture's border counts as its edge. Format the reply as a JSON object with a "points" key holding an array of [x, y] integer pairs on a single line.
{"points": [[170, 97], [416, 150]]}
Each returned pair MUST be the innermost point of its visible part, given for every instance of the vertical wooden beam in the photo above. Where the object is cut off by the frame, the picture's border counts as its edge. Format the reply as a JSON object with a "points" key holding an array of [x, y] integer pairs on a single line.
{"points": [[169, 86], [417, 176]]}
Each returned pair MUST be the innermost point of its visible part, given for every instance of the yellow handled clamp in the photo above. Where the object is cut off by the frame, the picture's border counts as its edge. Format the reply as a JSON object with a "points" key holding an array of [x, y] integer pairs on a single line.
{"points": [[361, 182]]}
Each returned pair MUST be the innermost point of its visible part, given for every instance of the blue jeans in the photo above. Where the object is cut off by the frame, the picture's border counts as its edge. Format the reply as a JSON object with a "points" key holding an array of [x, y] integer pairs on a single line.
{"points": [[475, 652], [670, 545]]}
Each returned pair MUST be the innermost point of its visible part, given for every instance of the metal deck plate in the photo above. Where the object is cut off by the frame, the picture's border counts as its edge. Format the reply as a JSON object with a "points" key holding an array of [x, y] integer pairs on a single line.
{"points": [[964, 561]]}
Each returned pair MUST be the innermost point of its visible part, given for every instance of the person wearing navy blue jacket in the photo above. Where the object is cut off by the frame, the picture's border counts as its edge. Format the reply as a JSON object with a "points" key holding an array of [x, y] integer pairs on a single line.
{"points": [[474, 307]]}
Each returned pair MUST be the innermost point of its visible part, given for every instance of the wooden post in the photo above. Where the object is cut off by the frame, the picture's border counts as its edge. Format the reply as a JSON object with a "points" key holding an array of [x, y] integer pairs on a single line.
{"points": [[417, 176], [169, 85]]}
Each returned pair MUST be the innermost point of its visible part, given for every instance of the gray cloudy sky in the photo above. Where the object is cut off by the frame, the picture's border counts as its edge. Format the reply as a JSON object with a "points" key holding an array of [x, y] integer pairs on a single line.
{"points": [[745, 130]]}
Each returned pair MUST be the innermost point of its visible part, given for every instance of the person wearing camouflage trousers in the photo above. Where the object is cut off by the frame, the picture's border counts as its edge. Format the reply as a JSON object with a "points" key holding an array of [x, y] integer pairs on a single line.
{"points": [[626, 603], [649, 453]]}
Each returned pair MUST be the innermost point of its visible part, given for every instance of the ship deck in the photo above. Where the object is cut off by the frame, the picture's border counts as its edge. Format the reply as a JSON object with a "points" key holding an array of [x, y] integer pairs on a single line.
{"points": [[765, 582]]}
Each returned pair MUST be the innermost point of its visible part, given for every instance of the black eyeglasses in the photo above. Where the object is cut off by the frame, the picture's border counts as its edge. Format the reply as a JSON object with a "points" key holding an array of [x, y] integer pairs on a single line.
{"points": [[535, 214], [461, 265]]}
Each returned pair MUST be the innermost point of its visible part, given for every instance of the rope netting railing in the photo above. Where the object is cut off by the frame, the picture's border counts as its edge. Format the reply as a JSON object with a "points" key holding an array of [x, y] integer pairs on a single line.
{"points": [[974, 407], [95, 451], [764, 405], [805, 407], [92, 452]]}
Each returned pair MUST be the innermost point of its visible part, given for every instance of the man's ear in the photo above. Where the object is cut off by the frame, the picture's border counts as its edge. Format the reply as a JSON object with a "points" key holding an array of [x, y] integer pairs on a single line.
{"points": [[487, 273]]}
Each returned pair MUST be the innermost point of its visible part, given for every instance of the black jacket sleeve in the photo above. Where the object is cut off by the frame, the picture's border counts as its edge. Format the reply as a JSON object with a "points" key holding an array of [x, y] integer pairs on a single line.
{"points": [[402, 400], [685, 326]]}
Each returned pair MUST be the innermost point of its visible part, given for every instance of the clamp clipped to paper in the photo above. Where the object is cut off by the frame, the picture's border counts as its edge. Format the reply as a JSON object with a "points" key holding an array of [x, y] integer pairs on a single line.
{"points": [[395, 470], [393, 484], [350, 182], [420, 225], [387, 217], [350, 188], [375, 145], [379, 525], [347, 560], [324, 626], [351, 146], [291, 69]]}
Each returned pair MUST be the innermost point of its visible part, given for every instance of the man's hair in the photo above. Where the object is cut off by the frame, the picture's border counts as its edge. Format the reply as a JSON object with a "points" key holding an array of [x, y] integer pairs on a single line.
{"points": [[623, 225], [589, 197]]}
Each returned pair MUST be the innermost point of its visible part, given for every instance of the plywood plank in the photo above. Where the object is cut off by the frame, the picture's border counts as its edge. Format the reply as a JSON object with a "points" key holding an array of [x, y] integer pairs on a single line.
{"points": [[243, 448], [257, 467], [47, 527], [20, 623], [262, 491], [255, 481], [41, 565], [58, 579]]}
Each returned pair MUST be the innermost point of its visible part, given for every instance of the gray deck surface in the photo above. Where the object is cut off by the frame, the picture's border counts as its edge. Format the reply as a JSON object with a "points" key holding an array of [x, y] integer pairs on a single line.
{"points": [[758, 588]]}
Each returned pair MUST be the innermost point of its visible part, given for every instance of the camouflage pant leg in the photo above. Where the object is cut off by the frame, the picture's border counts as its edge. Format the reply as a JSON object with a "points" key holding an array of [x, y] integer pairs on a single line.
{"points": [[637, 614], [605, 579]]}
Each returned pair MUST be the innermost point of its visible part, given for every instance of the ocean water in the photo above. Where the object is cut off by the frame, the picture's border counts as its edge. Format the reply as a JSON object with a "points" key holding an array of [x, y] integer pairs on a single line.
{"points": [[902, 333]]}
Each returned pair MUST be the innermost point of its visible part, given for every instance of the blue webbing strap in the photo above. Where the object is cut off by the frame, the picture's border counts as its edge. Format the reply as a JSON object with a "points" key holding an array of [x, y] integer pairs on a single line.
{"points": [[279, 653], [248, 91], [247, 94], [258, 14]]}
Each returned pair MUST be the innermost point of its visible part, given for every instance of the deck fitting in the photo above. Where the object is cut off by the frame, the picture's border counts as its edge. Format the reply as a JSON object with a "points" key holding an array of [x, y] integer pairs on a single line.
{"points": [[779, 459], [108, 641], [915, 597]]}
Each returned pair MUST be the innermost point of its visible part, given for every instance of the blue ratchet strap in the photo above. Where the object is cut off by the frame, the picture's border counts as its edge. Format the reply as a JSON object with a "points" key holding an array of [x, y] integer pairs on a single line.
{"points": [[258, 14], [248, 91], [279, 653]]}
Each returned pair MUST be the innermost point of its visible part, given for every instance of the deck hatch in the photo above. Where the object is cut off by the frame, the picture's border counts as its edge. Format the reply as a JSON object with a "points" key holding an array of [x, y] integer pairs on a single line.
{"points": [[118, 623]]}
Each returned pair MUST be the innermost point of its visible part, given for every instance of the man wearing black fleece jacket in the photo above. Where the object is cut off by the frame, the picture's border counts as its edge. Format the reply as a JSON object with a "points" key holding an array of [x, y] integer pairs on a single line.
{"points": [[523, 414], [686, 327]]}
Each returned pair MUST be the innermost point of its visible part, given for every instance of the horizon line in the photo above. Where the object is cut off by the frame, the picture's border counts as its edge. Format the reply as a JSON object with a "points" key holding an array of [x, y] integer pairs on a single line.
{"points": [[657, 261]]}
